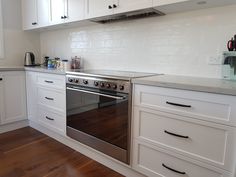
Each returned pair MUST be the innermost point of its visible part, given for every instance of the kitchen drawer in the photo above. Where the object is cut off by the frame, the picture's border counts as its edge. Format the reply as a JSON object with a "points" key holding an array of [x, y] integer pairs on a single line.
{"points": [[52, 99], [209, 142], [51, 81], [158, 163], [51, 119], [197, 105]]}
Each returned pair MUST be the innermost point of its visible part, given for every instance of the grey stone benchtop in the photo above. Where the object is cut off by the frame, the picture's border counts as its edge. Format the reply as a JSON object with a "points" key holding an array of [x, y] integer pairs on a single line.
{"points": [[46, 70], [210, 85]]}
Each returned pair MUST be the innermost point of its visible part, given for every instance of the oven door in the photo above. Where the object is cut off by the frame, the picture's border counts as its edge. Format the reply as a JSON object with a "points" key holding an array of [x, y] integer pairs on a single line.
{"points": [[99, 119]]}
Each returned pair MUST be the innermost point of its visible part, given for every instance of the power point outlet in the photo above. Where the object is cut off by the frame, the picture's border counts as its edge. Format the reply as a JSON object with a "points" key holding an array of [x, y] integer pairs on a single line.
{"points": [[217, 60]]}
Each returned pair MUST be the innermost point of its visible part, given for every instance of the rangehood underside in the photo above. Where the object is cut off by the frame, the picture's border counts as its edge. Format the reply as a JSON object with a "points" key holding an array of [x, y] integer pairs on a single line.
{"points": [[144, 13]]}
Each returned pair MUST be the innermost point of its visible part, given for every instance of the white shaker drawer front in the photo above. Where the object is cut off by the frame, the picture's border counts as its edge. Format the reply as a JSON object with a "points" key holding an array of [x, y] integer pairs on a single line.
{"points": [[52, 120], [52, 99], [198, 105], [157, 163], [208, 142], [51, 81]]}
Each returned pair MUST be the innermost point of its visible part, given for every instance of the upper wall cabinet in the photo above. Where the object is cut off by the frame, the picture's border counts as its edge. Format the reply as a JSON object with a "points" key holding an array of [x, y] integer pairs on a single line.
{"points": [[67, 11], [35, 13], [131, 5], [172, 6], [166, 2], [99, 8]]}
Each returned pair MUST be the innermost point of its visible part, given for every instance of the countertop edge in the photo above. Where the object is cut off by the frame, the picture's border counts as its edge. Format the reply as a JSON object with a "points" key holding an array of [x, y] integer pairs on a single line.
{"points": [[189, 87], [12, 69], [45, 70]]}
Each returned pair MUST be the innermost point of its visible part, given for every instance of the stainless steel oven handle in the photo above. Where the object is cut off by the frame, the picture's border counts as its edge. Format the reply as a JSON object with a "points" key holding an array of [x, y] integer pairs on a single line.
{"points": [[96, 93]]}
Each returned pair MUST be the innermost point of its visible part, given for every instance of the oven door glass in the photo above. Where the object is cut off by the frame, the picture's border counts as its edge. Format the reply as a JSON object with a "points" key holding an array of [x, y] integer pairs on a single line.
{"points": [[103, 115]]}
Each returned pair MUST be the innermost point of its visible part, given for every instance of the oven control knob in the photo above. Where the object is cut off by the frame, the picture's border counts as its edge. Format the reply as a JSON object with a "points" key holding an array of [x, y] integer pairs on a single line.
{"points": [[76, 81], [96, 83], [114, 86], [108, 85], [122, 87], [70, 80], [85, 82], [102, 84]]}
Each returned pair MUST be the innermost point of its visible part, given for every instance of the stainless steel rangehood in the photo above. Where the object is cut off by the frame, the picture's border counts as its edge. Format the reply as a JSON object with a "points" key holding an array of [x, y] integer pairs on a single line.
{"points": [[143, 13]]}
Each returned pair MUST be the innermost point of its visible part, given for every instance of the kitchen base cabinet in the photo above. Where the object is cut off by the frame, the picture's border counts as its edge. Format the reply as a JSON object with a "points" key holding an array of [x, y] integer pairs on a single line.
{"points": [[46, 100], [12, 97], [179, 132], [156, 162]]}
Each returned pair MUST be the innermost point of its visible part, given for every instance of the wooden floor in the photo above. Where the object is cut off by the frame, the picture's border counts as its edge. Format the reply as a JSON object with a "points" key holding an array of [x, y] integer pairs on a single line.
{"points": [[29, 153]]}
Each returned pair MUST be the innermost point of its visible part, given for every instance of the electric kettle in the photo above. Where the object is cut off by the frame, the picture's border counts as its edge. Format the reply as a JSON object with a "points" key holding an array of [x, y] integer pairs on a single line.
{"points": [[29, 59]]}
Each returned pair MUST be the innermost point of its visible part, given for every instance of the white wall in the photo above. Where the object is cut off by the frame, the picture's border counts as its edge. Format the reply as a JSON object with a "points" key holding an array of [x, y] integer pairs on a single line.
{"points": [[16, 42], [173, 44]]}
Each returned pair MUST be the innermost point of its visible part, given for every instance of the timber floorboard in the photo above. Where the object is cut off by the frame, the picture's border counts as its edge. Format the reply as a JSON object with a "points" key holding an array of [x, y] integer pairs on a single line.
{"points": [[28, 153]]}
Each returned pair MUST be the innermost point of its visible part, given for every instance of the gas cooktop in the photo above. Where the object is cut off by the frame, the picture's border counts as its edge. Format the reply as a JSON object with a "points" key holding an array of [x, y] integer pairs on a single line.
{"points": [[114, 74]]}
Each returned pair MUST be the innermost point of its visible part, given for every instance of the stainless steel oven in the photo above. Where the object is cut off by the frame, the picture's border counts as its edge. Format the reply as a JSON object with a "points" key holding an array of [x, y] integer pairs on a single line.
{"points": [[98, 114]]}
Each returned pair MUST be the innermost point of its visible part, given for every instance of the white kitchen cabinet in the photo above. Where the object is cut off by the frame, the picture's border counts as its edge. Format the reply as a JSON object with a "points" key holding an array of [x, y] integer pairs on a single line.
{"points": [[98, 8], [63, 11], [74, 10], [46, 100], [29, 14], [43, 9], [167, 2], [188, 131], [12, 97], [35, 13], [57, 11], [131, 5]]}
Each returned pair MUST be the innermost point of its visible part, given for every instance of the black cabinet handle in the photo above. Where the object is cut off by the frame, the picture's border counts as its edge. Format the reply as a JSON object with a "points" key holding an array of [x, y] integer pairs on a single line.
{"points": [[114, 6], [62, 17], [49, 118], [177, 104], [174, 134], [50, 82], [35, 23], [109, 7], [171, 169], [0, 79], [51, 99], [65, 17]]}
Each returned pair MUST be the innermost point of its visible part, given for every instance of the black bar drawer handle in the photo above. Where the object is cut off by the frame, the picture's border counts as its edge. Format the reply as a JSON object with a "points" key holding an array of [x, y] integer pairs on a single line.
{"points": [[51, 99], [49, 118], [174, 134], [177, 104], [0, 79], [35, 23], [50, 82], [171, 169]]}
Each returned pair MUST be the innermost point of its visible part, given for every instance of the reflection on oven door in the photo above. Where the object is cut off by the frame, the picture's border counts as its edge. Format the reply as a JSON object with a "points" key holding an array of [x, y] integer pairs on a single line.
{"points": [[99, 116]]}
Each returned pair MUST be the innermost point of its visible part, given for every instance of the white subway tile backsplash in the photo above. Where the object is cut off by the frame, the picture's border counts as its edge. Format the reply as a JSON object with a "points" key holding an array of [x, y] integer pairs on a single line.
{"points": [[172, 44]]}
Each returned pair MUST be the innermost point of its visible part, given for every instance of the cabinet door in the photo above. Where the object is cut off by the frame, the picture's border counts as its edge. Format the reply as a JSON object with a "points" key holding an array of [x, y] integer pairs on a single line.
{"points": [[31, 90], [166, 2], [43, 12], [131, 5], [14, 97], [57, 11], [29, 14], [98, 8], [74, 10]]}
